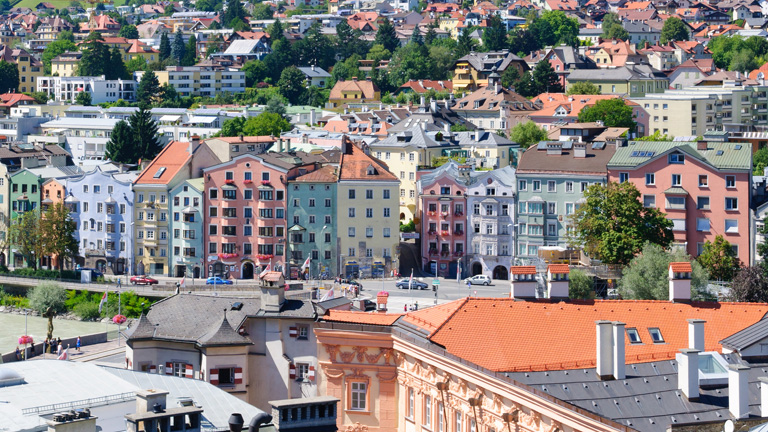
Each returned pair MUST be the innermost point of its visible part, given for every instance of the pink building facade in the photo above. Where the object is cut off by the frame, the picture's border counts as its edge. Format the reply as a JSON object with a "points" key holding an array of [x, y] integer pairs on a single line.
{"points": [[443, 205], [245, 215], [704, 188]]}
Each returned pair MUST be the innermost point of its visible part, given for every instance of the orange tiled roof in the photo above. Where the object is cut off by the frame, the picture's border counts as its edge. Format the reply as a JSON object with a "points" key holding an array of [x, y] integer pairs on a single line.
{"points": [[681, 267], [173, 157], [431, 318], [523, 269], [362, 317], [354, 166], [559, 269], [11, 99], [508, 335], [273, 276]]}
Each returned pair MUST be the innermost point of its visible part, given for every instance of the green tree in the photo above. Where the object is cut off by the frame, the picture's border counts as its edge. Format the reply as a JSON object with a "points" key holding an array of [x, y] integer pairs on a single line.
{"points": [[115, 69], [647, 275], [348, 41], [178, 48], [128, 31], [54, 49], [743, 61], [612, 27], [135, 64], [527, 134], [410, 62], [723, 49], [266, 124], [583, 88], [613, 225], [431, 36], [165, 46], [148, 90], [255, 72], [564, 28], [190, 52], [719, 259], [545, 78], [465, 43], [40, 97], [281, 57], [9, 77], [674, 29], [24, 234], [379, 53], [83, 98], [292, 84], [750, 284], [234, 11], [145, 134], [57, 232], [276, 31], [96, 56], [495, 35], [386, 36], [612, 112], [442, 59], [275, 105], [580, 285], [232, 127], [168, 10], [262, 11], [416, 36], [66, 35], [315, 48], [509, 77], [762, 248], [121, 147], [48, 295]]}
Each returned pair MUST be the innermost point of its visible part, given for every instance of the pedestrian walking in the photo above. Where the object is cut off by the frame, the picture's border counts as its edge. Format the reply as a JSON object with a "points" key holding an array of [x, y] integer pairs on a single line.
{"points": [[78, 344], [45, 346], [18, 354], [59, 348]]}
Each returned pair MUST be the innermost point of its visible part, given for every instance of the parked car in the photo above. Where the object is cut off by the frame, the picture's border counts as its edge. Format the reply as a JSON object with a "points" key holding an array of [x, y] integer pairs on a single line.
{"points": [[368, 305], [143, 280], [478, 280], [95, 274], [403, 284], [215, 280]]}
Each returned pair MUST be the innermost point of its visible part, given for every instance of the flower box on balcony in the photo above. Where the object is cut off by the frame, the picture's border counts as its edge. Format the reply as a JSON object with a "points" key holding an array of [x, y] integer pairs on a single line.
{"points": [[227, 255], [431, 213], [265, 182], [444, 233], [444, 214], [433, 251], [247, 181], [458, 214], [229, 181], [264, 257]]}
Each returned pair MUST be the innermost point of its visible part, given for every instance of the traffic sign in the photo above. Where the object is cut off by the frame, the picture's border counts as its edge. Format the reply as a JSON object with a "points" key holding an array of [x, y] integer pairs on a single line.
{"points": [[435, 281]]}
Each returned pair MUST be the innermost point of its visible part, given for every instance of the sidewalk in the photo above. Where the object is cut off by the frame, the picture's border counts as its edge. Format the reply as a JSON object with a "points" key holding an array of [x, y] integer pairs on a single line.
{"points": [[89, 352]]}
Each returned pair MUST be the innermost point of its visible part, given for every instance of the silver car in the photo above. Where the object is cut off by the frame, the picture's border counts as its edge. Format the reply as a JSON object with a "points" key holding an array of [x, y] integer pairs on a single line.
{"points": [[478, 280]]}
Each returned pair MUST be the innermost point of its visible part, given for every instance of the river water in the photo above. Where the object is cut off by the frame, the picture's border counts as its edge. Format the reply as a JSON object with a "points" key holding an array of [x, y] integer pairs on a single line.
{"points": [[12, 326]]}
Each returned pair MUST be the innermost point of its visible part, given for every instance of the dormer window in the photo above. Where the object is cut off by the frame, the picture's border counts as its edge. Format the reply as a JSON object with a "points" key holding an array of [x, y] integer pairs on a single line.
{"points": [[371, 170], [676, 158]]}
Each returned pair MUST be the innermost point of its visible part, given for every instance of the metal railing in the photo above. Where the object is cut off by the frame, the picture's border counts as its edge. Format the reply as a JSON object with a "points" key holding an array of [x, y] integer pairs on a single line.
{"points": [[85, 403]]}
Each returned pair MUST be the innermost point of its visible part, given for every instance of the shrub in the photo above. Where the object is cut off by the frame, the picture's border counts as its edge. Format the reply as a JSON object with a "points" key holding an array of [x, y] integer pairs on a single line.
{"points": [[46, 295], [12, 300], [87, 311]]}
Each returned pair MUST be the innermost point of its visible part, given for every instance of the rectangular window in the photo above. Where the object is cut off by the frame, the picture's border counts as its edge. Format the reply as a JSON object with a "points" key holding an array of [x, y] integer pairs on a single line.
{"points": [[702, 224], [731, 203], [702, 203], [551, 186], [677, 179], [411, 403], [649, 201], [623, 177], [369, 194], [537, 186], [676, 158], [358, 395], [731, 226], [676, 202], [678, 224], [730, 181], [385, 194], [351, 194], [458, 423], [351, 231], [703, 181], [427, 411], [522, 185], [351, 212], [650, 179], [369, 212]]}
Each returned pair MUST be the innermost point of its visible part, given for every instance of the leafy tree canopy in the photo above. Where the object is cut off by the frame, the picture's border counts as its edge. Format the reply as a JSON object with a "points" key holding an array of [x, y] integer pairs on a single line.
{"points": [[647, 275], [527, 134], [719, 259], [583, 88], [612, 112]]}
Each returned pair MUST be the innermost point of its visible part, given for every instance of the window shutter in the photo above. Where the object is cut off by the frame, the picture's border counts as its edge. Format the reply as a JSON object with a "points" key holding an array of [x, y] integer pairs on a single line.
{"points": [[238, 375], [291, 371], [311, 374], [152, 369], [169, 368], [293, 332], [189, 372], [214, 375]]}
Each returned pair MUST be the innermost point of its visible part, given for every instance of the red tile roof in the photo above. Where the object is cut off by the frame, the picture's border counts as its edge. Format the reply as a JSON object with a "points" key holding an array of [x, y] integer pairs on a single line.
{"points": [[509, 335], [375, 318], [354, 166], [431, 318], [273, 276], [681, 267], [523, 269], [559, 269], [173, 158], [11, 99]]}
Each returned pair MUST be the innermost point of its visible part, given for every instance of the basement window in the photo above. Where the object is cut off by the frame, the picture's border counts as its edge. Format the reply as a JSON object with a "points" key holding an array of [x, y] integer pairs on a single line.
{"points": [[656, 335], [634, 336]]}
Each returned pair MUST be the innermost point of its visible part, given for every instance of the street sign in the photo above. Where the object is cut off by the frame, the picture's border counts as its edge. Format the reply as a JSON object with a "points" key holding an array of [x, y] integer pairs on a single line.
{"points": [[436, 281]]}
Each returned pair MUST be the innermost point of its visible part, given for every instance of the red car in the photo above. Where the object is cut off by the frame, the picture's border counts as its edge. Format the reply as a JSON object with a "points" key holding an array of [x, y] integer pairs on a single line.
{"points": [[143, 280]]}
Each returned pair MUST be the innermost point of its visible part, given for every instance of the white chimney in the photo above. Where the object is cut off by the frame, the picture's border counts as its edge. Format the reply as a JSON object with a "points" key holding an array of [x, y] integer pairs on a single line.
{"points": [[738, 391], [433, 105], [619, 359], [680, 281], [557, 281], [523, 282], [579, 150], [763, 396], [688, 373], [604, 361], [696, 334], [477, 135]]}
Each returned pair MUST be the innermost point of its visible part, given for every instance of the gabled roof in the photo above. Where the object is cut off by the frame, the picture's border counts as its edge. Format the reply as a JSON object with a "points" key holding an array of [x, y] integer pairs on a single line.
{"points": [[356, 165], [681, 267], [166, 165], [366, 88], [747, 337], [558, 269]]}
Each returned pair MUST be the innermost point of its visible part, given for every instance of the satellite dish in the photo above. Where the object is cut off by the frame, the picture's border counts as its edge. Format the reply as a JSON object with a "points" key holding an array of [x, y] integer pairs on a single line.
{"points": [[728, 426]]}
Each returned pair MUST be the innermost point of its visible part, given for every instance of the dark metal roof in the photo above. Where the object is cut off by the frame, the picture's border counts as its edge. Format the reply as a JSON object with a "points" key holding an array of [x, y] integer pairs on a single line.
{"points": [[747, 337]]}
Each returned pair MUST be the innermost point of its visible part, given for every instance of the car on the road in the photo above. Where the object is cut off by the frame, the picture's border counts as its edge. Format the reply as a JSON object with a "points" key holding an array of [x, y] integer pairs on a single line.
{"points": [[143, 280], [368, 305], [215, 280], [478, 280], [403, 284]]}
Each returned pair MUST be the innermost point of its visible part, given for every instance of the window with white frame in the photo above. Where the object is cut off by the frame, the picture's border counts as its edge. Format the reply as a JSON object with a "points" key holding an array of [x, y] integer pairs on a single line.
{"points": [[731, 226], [650, 179], [649, 201], [677, 179], [702, 224], [730, 181], [427, 420], [358, 394], [731, 203]]}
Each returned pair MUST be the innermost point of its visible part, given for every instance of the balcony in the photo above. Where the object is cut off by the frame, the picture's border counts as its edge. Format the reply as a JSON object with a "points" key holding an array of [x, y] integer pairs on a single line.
{"points": [[95, 252]]}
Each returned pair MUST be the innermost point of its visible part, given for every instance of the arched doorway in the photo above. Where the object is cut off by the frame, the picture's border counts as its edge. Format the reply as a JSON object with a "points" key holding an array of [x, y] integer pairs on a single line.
{"points": [[219, 269], [101, 265], [477, 269], [140, 268], [181, 270], [247, 270], [196, 273], [500, 272]]}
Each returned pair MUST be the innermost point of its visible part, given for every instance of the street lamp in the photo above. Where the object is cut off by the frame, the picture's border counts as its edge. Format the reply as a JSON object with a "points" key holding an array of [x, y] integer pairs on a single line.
{"points": [[26, 333]]}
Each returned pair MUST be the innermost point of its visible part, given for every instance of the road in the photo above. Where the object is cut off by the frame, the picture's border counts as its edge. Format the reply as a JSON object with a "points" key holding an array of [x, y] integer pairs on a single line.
{"points": [[448, 290]]}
